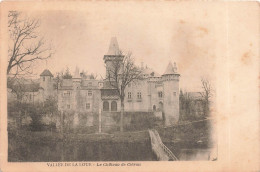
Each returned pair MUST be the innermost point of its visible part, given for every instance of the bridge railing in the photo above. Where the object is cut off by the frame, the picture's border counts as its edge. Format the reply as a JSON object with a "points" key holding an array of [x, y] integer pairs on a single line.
{"points": [[165, 148], [160, 153], [157, 143]]}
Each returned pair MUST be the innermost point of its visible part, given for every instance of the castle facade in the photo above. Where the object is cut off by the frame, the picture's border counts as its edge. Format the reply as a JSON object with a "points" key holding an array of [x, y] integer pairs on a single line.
{"points": [[85, 94]]}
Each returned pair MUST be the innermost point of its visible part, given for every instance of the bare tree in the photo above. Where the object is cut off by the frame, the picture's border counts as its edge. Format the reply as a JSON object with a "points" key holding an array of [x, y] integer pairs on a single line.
{"points": [[206, 94], [123, 72], [26, 46]]}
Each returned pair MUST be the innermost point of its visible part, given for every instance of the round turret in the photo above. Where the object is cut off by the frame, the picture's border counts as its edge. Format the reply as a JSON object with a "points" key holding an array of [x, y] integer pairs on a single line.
{"points": [[171, 99], [46, 82]]}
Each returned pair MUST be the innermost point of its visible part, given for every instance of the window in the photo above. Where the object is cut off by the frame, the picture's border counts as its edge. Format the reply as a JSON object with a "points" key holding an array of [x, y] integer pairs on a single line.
{"points": [[105, 106], [113, 106], [68, 106], [89, 93], [160, 94], [129, 95], [30, 97], [174, 93], [129, 85], [90, 84], [66, 93], [43, 78], [139, 95], [87, 105]]}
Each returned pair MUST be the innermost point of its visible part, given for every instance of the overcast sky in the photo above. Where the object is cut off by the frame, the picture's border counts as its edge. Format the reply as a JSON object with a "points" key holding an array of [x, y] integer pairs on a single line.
{"points": [[154, 34]]}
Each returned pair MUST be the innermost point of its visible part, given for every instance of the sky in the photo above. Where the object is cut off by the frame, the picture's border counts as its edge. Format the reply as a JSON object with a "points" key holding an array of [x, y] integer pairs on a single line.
{"points": [[155, 34]]}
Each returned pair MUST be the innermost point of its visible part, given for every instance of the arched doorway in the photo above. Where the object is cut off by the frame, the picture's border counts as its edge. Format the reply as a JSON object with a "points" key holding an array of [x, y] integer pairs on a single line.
{"points": [[105, 106], [161, 106], [154, 107], [113, 106], [161, 109]]}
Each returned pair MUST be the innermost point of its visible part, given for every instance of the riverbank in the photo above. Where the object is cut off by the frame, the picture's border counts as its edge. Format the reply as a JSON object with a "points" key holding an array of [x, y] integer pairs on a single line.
{"points": [[189, 140], [45, 147], [185, 141]]}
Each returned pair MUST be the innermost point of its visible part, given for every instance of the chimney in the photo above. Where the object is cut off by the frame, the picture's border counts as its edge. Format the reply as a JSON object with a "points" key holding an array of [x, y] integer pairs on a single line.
{"points": [[175, 67]]}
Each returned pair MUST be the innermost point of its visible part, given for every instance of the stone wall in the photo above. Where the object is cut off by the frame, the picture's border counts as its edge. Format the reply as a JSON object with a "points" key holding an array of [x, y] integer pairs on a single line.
{"points": [[133, 121]]}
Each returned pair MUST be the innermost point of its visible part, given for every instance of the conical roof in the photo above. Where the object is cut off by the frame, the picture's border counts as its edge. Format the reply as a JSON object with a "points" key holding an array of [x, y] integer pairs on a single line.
{"points": [[46, 72], [113, 47], [150, 72], [169, 70]]}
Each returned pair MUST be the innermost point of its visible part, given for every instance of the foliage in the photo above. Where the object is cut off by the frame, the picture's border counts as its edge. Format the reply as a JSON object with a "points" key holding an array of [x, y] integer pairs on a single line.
{"points": [[50, 106], [57, 81], [191, 108], [188, 134], [206, 94], [36, 111], [93, 76], [67, 74], [67, 120]]}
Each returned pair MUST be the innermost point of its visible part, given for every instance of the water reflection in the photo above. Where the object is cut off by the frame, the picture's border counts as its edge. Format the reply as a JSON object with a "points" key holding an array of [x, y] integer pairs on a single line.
{"points": [[80, 151], [194, 154], [36, 150]]}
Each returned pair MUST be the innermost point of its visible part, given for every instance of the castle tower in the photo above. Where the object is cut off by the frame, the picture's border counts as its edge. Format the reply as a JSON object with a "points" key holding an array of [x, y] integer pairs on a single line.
{"points": [[46, 82], [112, 55], [171, 94]]}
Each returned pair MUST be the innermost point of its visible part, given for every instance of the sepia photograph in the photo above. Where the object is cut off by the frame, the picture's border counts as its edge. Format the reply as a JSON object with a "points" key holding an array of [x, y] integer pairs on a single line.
{"points": [[126, 107], [124, 83]]}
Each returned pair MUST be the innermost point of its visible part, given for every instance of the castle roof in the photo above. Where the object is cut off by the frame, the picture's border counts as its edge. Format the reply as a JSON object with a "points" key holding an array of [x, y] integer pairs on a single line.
{"points": [[169, 70], [113, 47], [34, 87], [109, 94], [67, 83], [24, 85], [150, 72], [46, 72]]}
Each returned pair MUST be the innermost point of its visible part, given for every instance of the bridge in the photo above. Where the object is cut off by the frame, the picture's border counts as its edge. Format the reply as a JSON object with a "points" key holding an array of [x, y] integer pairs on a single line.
{"points": [[160, 150]]}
